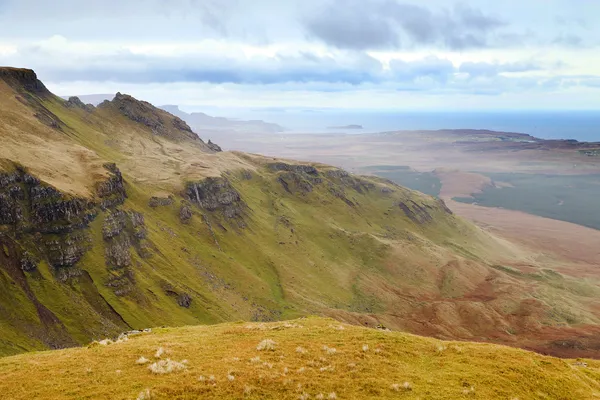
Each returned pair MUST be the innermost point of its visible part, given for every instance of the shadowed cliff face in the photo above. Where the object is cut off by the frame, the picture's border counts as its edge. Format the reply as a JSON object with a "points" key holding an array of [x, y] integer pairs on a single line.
{"points": [[23, 79]]}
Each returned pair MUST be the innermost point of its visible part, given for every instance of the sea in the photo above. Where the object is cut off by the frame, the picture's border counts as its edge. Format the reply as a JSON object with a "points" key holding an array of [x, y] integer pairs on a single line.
{"points": [[583, 126]]}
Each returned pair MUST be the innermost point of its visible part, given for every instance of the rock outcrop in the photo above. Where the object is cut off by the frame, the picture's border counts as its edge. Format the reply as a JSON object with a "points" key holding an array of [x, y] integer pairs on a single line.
{"points": [[112, 191], [214, 146], [75, 102], [216, 194], [159, 121], [160, 201], [23, 79]]}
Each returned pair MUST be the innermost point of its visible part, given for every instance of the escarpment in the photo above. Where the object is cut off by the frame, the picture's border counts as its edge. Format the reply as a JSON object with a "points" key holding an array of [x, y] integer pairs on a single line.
{"points": [[215, 194]]}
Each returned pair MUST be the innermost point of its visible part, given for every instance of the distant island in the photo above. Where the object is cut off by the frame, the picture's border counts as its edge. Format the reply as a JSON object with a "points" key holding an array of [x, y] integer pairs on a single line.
{"points": [[346, 127]]}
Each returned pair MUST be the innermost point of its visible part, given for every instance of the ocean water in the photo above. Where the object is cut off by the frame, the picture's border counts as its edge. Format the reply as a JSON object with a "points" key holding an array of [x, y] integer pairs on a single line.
{"points": [[578, 125]]}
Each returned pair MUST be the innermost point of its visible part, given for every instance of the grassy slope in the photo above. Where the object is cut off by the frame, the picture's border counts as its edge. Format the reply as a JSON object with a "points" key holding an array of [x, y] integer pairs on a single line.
{"points": [[298, 254], [433, 369]]}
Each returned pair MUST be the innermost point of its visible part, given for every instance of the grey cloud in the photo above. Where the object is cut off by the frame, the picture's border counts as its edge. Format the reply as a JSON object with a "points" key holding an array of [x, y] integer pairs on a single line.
{"points": [[435, 68], [351, 68], [388, 24], [569, 40], [490, 69]]}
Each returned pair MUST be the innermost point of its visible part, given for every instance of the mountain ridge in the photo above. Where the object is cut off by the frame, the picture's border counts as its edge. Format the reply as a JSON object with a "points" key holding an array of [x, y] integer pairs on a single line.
{"points": [[117, 218]]}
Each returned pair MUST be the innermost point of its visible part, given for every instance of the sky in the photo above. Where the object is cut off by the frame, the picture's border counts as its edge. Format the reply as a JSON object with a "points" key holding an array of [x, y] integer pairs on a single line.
{"points": [[311, 54]]}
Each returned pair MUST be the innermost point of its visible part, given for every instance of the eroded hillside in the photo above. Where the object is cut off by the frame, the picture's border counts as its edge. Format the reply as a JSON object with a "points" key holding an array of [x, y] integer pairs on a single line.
{"points": [[120, 217]]}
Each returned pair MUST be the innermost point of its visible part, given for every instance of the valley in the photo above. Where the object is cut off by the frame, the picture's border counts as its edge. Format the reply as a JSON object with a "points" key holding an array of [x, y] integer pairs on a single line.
{"points": [[119, 217]]}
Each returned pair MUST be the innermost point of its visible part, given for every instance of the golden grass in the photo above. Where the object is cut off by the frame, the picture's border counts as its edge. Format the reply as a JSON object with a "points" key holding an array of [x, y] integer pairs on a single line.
{"points": [[222, 362]]}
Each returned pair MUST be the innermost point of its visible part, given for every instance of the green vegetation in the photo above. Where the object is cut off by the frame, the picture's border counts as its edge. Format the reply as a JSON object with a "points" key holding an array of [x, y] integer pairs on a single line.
{"points": [[572, 198], [309, 358], [424, 182]]}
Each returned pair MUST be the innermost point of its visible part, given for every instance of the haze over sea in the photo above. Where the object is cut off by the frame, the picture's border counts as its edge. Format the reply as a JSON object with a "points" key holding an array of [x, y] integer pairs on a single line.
{"points": [[578, 125]]}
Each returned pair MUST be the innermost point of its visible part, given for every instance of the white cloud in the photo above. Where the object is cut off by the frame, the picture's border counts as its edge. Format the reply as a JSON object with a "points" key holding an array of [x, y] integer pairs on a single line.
{"points": [[268, 53]]}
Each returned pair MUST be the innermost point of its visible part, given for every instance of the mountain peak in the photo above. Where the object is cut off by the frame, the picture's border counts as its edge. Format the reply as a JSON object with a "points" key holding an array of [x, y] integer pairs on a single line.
{"points": [[22, 79], [161, 122]]}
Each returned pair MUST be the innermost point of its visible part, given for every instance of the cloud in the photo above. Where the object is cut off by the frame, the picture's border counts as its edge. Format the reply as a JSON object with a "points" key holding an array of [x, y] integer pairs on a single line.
{"points": [[388, 24], [434, 68], [491, 69], [568, 40], [59, 61]]}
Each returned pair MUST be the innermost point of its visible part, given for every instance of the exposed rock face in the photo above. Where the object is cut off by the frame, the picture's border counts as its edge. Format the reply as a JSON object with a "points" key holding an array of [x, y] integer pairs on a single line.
{"points": [[346, 180], [159, 121], [28, 262], [306, 169], [29, 208], [66, 250], [23, 79], [185, 213], [121, 231], [418, 214], [75, 102], [184, 300], [214, 146], [112, 191], [160, 201], [216, 194], [296, 178]]}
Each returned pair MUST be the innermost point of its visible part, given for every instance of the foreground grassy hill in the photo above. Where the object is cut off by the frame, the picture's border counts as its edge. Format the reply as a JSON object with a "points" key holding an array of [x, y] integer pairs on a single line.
{"points": [[119, 217], [309, 358]]}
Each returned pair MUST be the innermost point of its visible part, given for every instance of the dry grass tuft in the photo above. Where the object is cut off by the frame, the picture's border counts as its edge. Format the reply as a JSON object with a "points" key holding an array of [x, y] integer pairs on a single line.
{"points": [[144, 395], [329, 350], [301, 350], [142, 360], [365, 347], [166, 366], [266, 345], [159, 352], [332, 396]]}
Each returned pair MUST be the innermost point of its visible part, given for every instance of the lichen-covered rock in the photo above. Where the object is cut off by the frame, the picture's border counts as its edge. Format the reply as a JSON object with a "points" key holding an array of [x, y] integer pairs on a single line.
{"points": [[138, 225], [117, 253], [114, 224], [10, 211], [38, 213], [216, 194], [160, 201], [112, 191], [66, 250], [184, 300], [185, 213], [28, 262], [306, 169]]}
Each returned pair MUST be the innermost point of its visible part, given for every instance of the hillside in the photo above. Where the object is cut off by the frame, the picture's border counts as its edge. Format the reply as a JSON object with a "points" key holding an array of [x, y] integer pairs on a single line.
{"points": [[310, 358], [120, 217]]}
